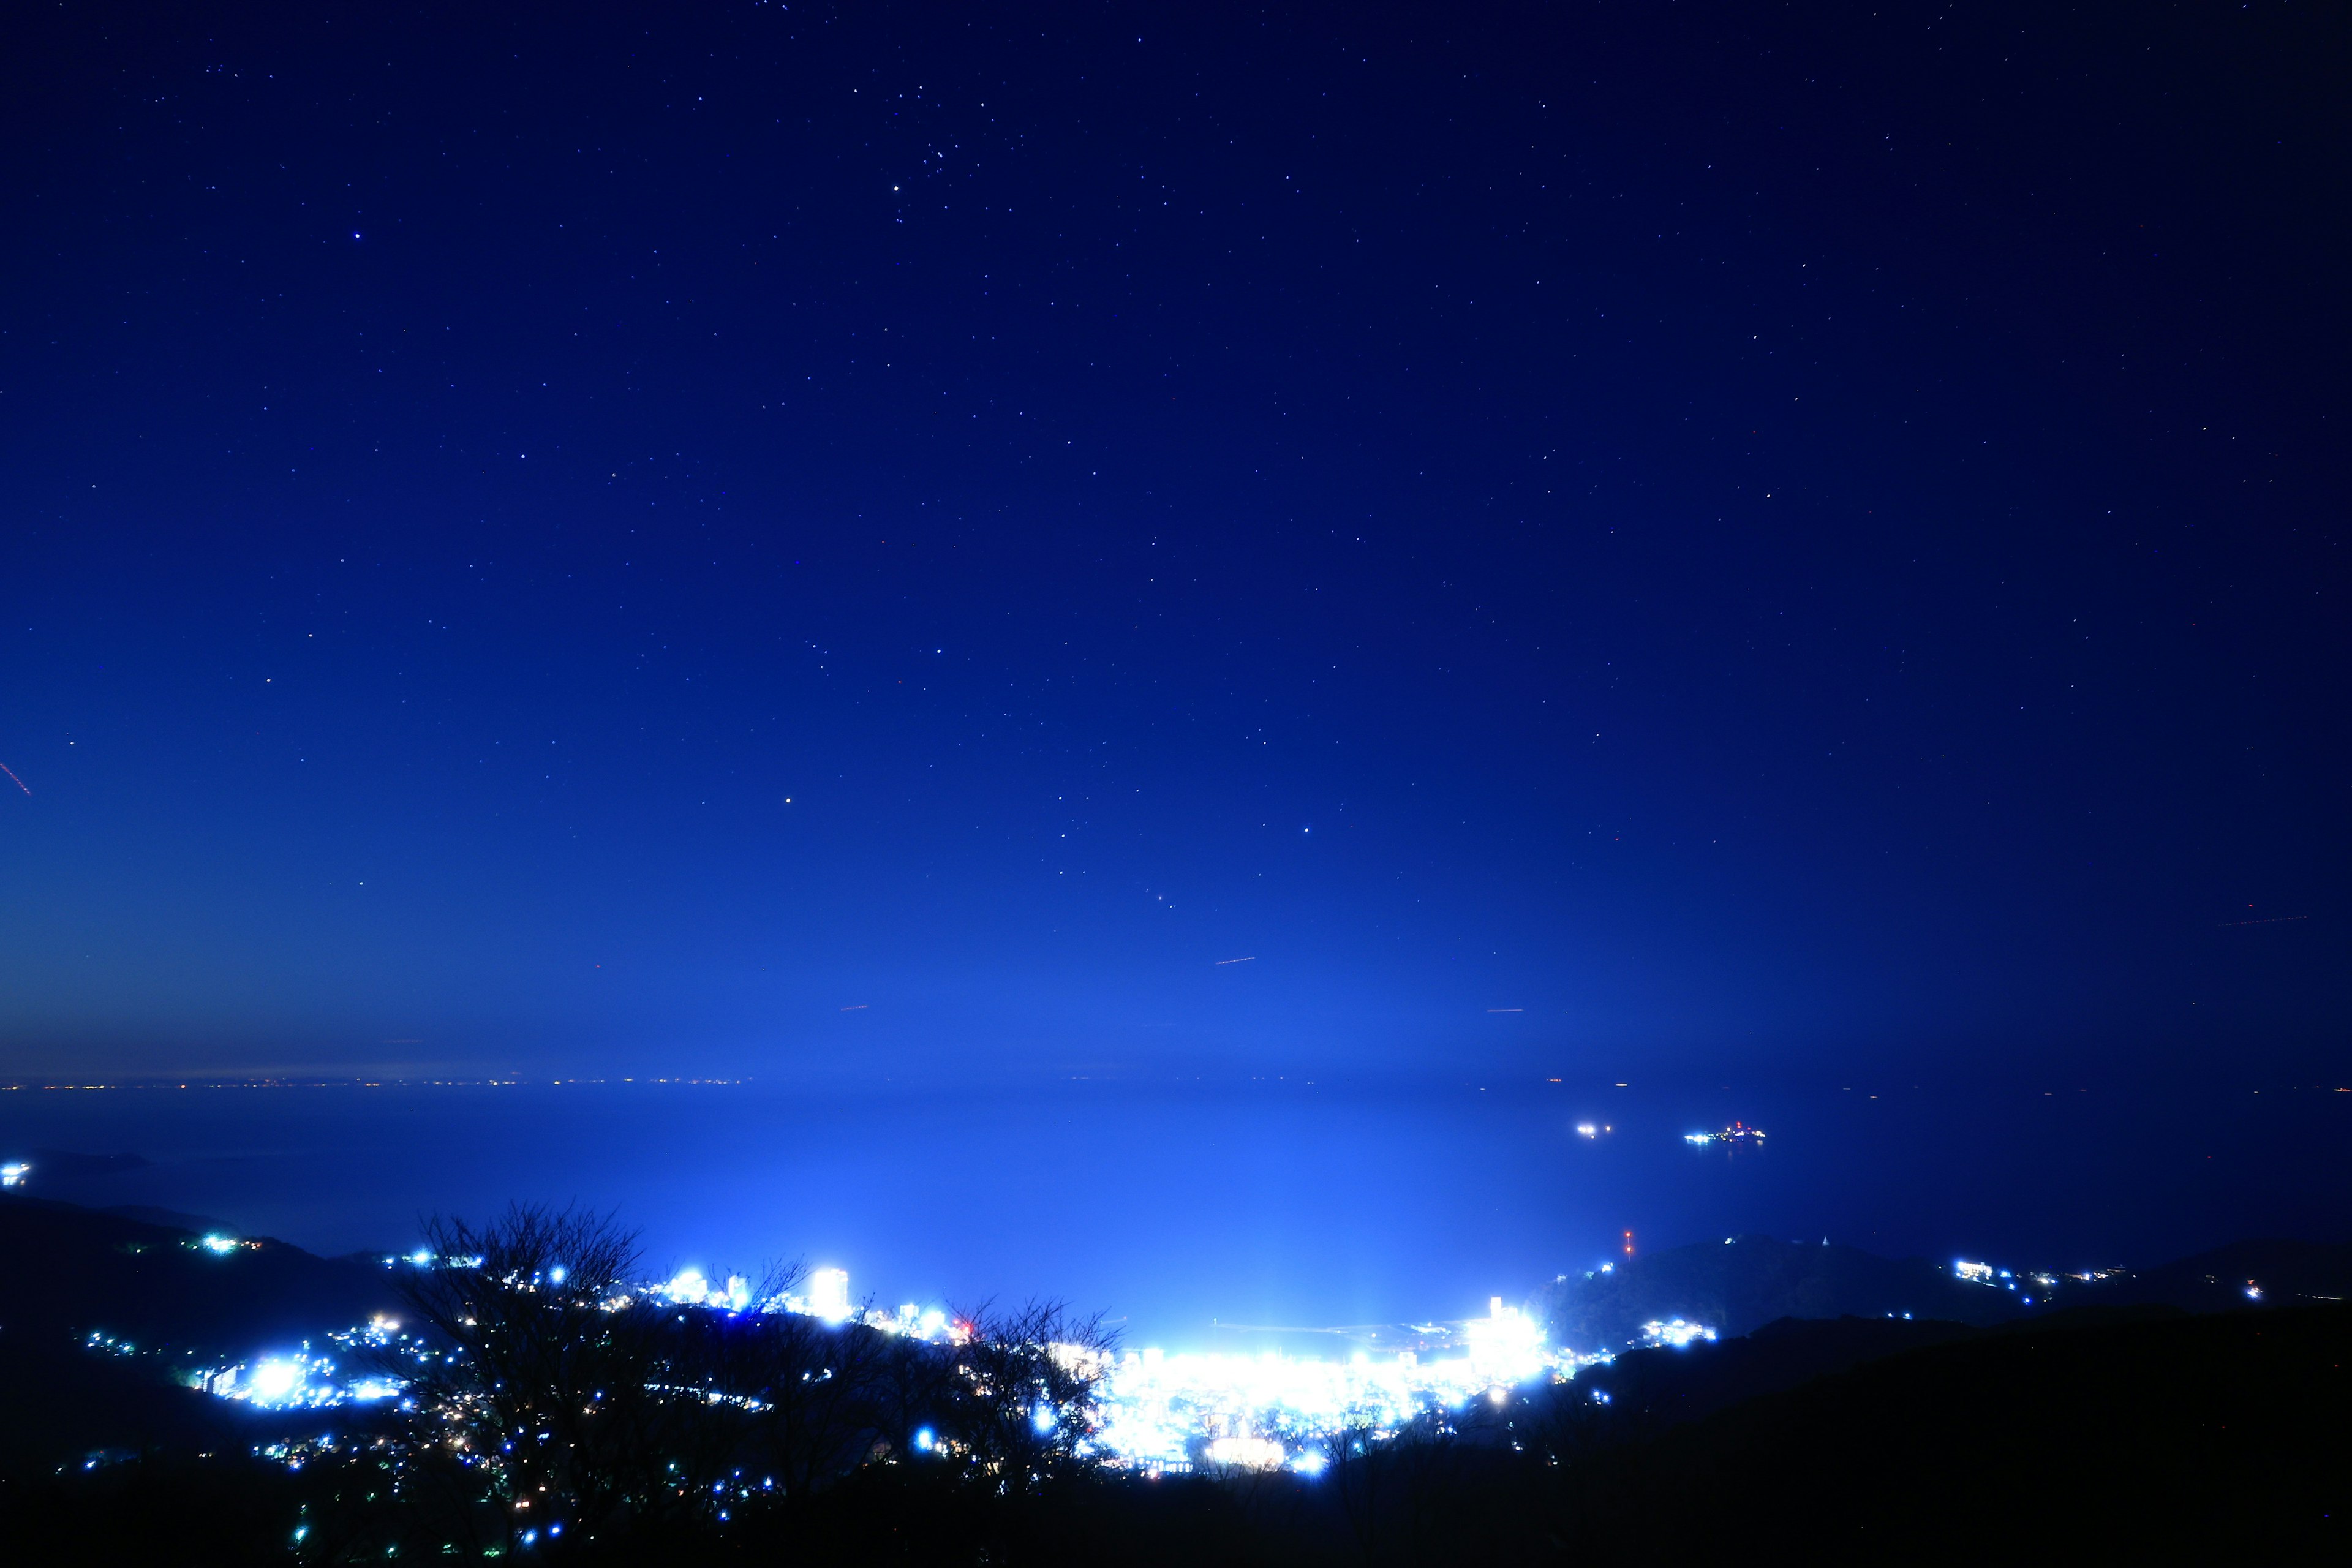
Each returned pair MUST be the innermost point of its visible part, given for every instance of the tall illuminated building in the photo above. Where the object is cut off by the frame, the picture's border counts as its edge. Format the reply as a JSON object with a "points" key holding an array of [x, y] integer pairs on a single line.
{"points": [[829, 1294]]}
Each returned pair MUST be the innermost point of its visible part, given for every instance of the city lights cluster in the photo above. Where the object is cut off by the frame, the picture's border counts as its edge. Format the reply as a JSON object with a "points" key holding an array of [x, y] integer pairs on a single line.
{"points": [[2044, 1283], [310, 1379], [1160, 1411], [1673, 1333], [1177, 1413], [827, 1297]]}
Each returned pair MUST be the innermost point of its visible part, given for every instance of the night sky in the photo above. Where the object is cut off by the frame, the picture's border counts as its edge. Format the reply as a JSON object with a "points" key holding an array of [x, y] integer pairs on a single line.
{"points": [[906, 542]]}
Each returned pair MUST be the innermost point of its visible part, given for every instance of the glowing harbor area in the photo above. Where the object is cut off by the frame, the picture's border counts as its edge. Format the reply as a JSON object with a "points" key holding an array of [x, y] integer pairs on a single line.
{"points": [[1173, 1413], [1161, 1412], [1158, 1412]]}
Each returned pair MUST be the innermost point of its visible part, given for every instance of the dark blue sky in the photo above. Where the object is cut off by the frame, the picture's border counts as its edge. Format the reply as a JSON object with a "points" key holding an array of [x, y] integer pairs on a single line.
{"points": [[596, 541]]}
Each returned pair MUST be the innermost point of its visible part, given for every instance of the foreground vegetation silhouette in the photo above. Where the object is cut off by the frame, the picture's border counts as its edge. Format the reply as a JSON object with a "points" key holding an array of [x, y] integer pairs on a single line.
{"points": [[552, 1417]]}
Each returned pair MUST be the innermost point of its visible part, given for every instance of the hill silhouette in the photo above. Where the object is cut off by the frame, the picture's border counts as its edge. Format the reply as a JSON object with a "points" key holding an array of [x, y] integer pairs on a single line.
{"points": [[2280, 1273], [2125, 1423], [81, 1269], [176, 1304], [2137, 1430], [1737, 1286]]}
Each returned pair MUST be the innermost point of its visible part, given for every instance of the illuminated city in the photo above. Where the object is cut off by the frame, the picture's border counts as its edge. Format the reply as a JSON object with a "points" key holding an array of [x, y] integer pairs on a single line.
{"points": [[1173, 1411], [303, 1379], [1674, 1333], [1161, 1412], [394, 1399]]}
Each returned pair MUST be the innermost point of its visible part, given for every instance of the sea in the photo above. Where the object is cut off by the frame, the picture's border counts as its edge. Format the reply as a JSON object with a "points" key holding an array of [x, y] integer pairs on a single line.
{"points": [[1231, 1215]]}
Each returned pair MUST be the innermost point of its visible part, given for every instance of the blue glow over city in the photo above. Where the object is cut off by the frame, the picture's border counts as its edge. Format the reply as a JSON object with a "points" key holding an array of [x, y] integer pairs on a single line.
{"points": [[1158, 1412]]}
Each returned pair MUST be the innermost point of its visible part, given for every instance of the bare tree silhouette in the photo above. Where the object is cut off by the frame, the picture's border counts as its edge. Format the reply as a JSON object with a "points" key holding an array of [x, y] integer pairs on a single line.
{"points": [[1026, 1401], [555, 1398], [544, 1385]]}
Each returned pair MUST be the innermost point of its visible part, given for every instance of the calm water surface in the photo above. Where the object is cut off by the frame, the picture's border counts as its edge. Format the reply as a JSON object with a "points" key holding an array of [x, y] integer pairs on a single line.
{"points": [[1176, 1209]]}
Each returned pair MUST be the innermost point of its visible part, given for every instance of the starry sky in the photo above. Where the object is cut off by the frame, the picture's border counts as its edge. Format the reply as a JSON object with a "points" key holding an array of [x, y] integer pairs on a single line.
{"points": [[1156, 541]]}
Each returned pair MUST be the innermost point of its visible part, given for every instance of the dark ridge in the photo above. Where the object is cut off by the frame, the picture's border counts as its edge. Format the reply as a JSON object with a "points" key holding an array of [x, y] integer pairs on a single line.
{"points": [[2116, 1426], [1657, 1388], [2218, 1280], [75, 1271], [1738, 1285], [2163, 1434]]}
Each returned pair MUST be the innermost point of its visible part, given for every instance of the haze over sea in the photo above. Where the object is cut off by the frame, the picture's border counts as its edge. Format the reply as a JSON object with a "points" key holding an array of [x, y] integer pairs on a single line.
{"points": [[1178, 1206]]}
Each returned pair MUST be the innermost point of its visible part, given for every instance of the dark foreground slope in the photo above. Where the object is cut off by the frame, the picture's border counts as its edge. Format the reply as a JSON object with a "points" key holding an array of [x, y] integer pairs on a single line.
{"points": [[166, 1306], [2145, 1434], [2096, 1432], [74, 1268], [2111, 1431]]}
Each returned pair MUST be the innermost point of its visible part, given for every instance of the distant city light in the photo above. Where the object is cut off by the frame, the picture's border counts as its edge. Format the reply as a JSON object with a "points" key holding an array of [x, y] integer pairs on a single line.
{"points": [[1675, 1333], [1248, 1453], [829, 1294], [12, 1174], [1161, 1413], [272, 1381], [305, 1379], [219, 1244]]}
